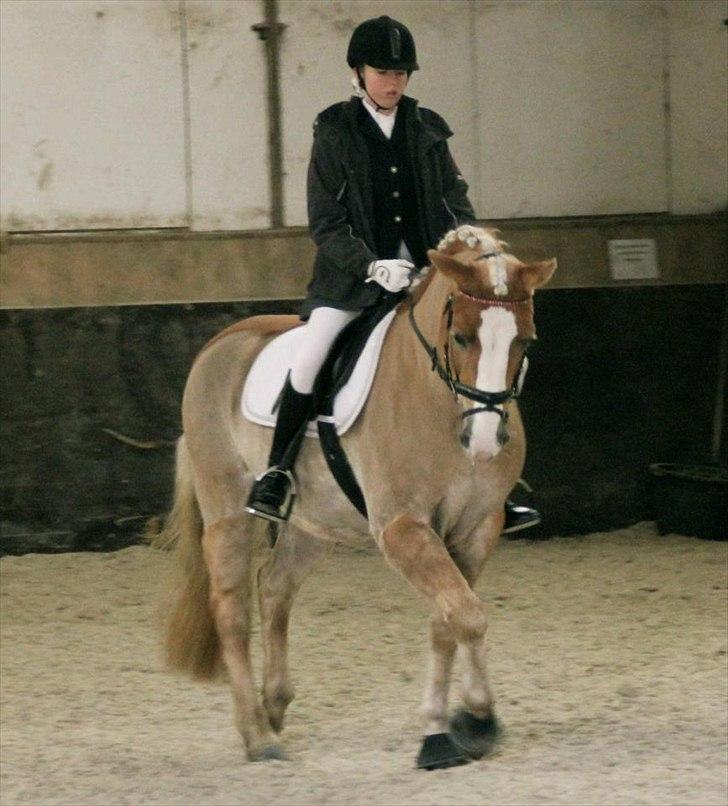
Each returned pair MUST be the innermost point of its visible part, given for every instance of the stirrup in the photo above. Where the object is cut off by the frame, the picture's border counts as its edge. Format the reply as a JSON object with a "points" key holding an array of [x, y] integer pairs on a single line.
{"points": [[519, 517], [261, 509]]}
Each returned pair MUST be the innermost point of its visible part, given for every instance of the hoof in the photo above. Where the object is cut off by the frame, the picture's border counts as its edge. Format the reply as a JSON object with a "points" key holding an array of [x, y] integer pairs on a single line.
{"points": [[275, 708], [438, 752], [473, 736], [267, 752]]}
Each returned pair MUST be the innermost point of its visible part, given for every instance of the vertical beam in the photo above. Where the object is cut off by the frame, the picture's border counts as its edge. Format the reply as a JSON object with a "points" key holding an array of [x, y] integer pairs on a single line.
{"points": [[187, 121], [270, 32]]}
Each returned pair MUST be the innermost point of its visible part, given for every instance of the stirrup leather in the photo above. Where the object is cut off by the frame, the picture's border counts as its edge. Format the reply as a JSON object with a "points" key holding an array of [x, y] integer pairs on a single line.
{"points": [[285, 506]]}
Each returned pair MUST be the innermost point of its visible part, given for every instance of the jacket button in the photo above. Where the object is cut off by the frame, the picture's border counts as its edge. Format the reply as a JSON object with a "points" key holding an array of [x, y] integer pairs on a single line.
{"points": [[398, 218], [395, 195], [393, 169]]}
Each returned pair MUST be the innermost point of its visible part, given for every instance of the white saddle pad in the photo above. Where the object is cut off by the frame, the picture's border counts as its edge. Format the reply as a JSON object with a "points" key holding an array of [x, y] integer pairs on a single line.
{"points": [[268, 374]]}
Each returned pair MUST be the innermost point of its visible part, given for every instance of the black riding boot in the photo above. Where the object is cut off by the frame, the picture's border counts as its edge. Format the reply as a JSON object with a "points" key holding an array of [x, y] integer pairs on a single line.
{"points": [[271, 496]]}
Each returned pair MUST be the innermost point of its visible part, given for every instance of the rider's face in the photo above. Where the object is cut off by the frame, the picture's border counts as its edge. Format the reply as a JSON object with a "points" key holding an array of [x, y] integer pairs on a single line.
{"points": [[385, 87]]}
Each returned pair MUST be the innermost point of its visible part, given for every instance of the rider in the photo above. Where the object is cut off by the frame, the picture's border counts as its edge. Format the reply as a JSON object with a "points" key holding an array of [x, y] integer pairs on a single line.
{"points": [[382, 189]]}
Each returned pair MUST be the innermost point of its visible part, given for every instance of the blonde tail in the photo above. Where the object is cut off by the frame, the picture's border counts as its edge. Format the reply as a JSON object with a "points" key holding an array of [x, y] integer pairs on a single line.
{"points": [[191, 641]]}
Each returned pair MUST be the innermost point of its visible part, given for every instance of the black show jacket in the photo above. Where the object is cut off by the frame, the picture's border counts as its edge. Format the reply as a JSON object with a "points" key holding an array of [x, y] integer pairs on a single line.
{"points": [[344, 201]]}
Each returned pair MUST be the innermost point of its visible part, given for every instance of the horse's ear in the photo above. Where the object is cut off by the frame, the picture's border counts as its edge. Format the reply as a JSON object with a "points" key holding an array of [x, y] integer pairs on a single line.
{"points": [[537, 274], [450, 267]]}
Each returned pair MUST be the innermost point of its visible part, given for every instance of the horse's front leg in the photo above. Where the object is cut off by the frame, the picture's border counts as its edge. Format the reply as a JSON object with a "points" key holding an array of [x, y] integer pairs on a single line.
{"points": [[228, 547], [293, 556], [475, 728], [438, 750], [415, 550], [443, 648]]}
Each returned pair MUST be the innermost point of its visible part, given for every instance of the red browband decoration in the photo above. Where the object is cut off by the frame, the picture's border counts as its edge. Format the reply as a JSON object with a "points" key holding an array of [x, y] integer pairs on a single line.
{"points": [[510, 304]]}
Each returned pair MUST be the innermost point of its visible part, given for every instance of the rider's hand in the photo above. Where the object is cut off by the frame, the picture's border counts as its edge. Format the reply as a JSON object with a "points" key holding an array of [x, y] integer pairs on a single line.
{"points": [[394, 275]]}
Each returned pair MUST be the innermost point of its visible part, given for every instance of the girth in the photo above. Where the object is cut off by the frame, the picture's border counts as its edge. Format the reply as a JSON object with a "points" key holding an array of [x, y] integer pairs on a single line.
{"points": [[332, 377]]}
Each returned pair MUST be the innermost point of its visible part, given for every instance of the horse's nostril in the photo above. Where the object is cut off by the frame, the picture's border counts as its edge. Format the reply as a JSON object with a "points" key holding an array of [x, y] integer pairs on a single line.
{"points": [[501, 434]]}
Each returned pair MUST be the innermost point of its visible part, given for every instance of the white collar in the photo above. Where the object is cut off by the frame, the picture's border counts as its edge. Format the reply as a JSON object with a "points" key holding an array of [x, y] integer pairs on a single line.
{"points": [[385, 122]]}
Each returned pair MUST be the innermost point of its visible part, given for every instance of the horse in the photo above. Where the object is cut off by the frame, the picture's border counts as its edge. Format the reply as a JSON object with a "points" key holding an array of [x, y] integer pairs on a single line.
{"points": [[434, 470]]}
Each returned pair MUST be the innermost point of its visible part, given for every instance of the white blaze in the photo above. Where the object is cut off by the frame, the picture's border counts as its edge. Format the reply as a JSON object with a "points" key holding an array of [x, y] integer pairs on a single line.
{"points": [[496, 332]]}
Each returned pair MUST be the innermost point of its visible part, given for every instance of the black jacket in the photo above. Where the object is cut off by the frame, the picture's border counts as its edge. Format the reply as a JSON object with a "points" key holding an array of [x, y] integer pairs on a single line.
{"points": [[341, 199]]}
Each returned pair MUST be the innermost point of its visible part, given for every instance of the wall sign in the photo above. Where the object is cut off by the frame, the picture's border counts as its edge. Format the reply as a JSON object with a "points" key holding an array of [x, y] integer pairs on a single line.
{"points": [[633, 259]]}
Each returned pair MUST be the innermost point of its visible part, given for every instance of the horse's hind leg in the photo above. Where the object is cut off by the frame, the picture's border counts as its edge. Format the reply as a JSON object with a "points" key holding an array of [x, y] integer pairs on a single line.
{"points": [[229, 546], [293, 556]]}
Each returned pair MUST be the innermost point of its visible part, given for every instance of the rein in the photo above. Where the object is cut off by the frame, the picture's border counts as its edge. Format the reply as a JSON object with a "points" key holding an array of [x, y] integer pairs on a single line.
{"points": [[491, 401]]}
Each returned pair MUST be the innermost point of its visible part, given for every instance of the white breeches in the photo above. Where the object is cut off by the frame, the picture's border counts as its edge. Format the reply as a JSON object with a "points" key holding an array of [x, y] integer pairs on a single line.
{"points": [[319, 334]]}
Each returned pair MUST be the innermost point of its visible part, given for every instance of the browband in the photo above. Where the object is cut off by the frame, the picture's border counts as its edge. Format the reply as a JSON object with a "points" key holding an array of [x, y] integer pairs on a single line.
{"points": [[487, 302]]}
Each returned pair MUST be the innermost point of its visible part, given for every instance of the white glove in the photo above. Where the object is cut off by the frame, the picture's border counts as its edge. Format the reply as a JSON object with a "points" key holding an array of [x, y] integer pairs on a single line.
{"points": [[394, 275]]}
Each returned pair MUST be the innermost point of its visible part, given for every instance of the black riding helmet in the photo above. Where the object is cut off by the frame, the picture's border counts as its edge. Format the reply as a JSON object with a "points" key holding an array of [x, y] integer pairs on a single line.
{"points": [[382, 43]]}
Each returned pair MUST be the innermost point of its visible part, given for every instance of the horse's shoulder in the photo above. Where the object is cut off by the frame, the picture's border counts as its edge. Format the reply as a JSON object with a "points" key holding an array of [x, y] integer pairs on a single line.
{"points": [[265, 325]]}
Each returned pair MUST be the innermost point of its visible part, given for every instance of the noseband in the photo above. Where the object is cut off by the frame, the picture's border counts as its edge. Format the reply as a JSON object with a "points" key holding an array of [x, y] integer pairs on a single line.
{"points": [[490, 401]]}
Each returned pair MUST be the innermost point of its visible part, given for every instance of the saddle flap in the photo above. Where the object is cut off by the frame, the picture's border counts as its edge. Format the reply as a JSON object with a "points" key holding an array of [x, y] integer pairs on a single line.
{"points": [[268, 374]]}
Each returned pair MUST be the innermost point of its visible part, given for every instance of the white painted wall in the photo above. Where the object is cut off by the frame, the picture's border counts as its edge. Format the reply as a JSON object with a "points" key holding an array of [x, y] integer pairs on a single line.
{"points": [[92, 128], [571, 102], [559, 107], [698, 48], [229, 187]]}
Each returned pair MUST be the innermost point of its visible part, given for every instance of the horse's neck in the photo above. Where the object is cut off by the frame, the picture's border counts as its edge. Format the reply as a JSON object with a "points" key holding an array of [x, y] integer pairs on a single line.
{"points": [[429, 305]]}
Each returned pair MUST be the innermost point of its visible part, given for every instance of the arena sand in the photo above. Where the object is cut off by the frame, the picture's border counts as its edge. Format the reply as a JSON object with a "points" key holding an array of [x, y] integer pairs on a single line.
{"points": [[607, 656]]}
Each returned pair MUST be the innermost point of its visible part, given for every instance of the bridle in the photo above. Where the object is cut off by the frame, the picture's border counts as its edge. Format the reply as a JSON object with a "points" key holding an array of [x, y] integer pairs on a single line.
{"points": [[490, 401]]}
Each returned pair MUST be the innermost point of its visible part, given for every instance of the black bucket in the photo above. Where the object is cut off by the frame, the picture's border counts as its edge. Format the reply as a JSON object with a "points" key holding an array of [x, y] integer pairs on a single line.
{"points": [[690, 499]]}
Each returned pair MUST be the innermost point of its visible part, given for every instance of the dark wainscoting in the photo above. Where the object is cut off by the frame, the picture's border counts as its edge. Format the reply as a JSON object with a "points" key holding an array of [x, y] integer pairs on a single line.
{"points": [[620, 378]]}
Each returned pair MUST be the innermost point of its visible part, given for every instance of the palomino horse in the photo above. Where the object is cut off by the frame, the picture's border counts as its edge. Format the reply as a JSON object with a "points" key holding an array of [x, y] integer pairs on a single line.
{"points": [[434, 466]]}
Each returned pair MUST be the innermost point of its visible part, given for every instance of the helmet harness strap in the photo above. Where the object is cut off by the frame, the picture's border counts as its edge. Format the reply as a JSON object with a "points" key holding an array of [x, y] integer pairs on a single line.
{"points": [[363, 86]]}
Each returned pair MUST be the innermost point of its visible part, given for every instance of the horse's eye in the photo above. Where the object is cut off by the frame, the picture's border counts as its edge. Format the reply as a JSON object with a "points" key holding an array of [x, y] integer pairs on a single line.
{"points": [[462, 340]]}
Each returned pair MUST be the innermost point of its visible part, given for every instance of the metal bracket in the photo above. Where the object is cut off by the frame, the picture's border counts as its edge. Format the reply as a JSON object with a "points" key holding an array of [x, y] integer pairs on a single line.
{"points": [[263, 29]]}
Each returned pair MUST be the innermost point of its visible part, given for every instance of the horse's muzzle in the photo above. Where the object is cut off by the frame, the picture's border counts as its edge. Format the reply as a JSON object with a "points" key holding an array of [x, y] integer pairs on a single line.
{"points": [[483, 436]]}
